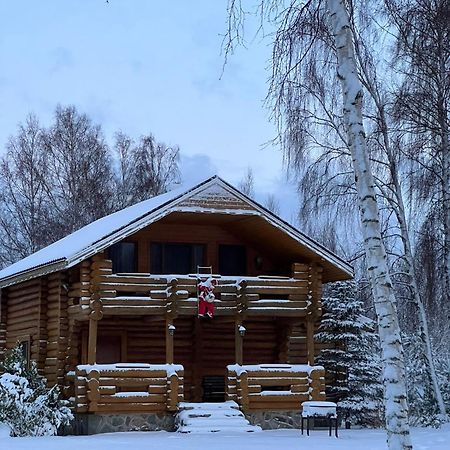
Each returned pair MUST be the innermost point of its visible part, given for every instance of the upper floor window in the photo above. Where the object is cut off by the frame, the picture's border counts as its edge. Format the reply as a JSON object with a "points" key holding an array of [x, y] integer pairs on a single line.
{"points": [[232, 260], [124, 257], [176, 258]]}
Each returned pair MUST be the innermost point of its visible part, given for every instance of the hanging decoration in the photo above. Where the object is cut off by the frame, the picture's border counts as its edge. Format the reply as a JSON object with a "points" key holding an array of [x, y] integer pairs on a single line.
{"points": [[206, 298]]}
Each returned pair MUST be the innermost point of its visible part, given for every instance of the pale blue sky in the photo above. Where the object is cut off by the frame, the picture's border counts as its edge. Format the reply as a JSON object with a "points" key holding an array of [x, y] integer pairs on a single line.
{"points": [[143, 66]]}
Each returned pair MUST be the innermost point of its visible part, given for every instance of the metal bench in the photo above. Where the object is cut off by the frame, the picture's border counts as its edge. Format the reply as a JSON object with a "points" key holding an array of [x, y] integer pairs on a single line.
{"points": [[315, 409]]}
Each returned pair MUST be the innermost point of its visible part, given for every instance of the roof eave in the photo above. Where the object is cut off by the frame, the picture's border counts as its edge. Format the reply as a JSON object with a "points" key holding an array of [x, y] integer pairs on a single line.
{"points": [[38, 271]]}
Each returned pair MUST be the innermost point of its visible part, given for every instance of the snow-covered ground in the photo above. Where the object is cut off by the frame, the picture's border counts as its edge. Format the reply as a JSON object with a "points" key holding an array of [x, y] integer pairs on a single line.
{"points": [[423, 439]]}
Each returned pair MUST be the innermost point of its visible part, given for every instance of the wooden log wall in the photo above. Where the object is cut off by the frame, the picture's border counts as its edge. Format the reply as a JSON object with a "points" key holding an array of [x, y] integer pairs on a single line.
{"points": [[2, 324], [57, 328], [26, 317]]}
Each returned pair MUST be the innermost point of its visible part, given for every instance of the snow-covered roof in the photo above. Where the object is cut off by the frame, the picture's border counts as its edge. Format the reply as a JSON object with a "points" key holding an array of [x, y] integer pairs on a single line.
{"points": [[110, 229]]}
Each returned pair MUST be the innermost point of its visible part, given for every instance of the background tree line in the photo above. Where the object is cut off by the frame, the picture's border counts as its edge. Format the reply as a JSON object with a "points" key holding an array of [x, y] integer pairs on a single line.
{"points": [[56, 179]]}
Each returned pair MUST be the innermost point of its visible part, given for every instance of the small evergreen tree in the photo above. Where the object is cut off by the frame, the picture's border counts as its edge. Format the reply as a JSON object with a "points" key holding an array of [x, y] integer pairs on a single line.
{"points": [[422, 404], [350, 356], [27, 406]]}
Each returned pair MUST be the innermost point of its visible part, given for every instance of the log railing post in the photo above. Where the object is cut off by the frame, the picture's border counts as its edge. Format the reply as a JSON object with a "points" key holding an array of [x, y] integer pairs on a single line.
{"points": [[172, 395], [93, 389], [243, 388]]}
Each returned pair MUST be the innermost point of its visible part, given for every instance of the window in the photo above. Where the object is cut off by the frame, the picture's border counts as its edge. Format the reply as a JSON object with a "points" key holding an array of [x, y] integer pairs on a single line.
{"points": [[24, 346], [232, 260], [176, 258], [124, 257]]}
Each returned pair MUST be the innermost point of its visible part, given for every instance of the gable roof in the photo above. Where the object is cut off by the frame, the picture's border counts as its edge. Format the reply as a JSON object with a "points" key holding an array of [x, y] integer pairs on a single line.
{"points": [[110, 229]]}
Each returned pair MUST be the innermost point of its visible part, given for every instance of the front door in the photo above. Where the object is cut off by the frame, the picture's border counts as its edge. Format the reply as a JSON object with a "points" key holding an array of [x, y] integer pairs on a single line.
{"points": [[109, 349], [205, 362]]}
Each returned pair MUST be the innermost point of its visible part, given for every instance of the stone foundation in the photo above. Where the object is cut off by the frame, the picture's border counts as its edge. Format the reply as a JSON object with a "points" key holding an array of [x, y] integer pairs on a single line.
{"points": [[273, 420], [107, 423]]}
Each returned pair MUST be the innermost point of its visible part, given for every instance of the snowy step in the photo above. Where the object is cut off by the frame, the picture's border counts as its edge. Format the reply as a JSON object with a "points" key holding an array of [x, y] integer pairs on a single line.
{"points": [[212, 418], [221, 429], [230, 404]]}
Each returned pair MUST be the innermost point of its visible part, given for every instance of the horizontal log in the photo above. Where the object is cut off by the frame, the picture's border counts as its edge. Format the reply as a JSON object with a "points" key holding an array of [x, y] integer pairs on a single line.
{"points": [[144, 398], [277, 400], [277, 381], [132, 382]]}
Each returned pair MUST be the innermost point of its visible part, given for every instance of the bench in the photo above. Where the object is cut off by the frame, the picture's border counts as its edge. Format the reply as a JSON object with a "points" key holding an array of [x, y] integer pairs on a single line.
{"points": [[327, 410]]}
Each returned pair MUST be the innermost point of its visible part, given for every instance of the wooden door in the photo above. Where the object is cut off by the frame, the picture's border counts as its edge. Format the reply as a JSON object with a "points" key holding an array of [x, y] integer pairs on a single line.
{"points": [[109, 349]]}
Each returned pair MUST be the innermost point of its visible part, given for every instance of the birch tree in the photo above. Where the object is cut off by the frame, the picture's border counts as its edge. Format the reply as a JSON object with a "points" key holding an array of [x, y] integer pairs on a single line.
{"points": [[392, 351], [309, 31]]}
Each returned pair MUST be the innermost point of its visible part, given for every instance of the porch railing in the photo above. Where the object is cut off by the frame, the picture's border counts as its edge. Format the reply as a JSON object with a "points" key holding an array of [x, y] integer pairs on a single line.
{"points": [[128, 387], [275, 387]]}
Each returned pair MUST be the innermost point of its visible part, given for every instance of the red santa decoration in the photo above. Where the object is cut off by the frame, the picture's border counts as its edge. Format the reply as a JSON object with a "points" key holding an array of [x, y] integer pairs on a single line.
{"points": [[206, 297]]}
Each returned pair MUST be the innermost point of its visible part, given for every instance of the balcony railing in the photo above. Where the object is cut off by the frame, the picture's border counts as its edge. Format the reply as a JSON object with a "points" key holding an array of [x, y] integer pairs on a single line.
{"points": [[140, 293]]}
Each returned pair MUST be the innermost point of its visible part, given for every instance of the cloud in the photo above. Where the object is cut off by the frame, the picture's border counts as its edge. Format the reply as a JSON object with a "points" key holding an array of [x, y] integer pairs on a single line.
{"points": [[197, 167]]}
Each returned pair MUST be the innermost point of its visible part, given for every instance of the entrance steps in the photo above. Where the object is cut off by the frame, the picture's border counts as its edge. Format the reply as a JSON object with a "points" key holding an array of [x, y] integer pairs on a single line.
{"points": [[212, 418]]}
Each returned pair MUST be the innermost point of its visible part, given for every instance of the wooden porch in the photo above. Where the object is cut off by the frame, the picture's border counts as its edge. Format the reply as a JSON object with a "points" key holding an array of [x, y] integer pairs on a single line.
{"points": [[125, 388], [260, 320]]}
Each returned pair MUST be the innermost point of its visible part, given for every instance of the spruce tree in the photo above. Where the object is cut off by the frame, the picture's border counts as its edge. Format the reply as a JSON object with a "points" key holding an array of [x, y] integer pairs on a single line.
{"points": [[350, 355], [27, 406]]}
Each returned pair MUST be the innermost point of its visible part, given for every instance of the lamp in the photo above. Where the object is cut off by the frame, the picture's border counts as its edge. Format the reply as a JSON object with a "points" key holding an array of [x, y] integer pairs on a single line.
{"points": [[242, 330], [171, 329]]}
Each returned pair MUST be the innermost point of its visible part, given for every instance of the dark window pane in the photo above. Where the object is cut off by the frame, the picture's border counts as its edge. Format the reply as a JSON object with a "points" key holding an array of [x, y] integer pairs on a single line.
{"points": [[123, 257], [156, 258], [232, 260], [198, 257], [176, 258]]}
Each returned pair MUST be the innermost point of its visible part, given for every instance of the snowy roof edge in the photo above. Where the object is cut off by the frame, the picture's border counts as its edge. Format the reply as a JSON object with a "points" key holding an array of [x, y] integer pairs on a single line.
{"points": [[152, 215]]}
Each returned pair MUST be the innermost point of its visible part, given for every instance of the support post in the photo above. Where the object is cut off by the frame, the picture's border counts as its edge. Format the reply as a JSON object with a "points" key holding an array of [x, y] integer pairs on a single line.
{"points": [[171, 313], [238, 342], [92, 341], [169, 341], [310, 341], [313, 310], [95, 315]]}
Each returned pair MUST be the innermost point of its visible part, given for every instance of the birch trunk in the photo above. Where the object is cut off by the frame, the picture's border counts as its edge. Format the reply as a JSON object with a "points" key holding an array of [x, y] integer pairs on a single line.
{"points": [[392, 351]]}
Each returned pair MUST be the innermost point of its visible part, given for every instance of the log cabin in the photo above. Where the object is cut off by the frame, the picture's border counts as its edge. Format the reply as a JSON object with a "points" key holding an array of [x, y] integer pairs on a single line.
{"points": [[109, 313]]}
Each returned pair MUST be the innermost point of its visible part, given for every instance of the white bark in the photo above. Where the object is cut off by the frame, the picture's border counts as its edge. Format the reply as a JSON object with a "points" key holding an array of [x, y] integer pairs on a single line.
{"points": [[392, 351]]}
